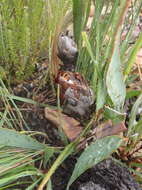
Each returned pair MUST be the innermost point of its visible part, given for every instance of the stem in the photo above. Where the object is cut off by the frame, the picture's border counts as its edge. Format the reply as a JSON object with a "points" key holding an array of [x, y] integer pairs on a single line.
{"points": [[68, 150]]}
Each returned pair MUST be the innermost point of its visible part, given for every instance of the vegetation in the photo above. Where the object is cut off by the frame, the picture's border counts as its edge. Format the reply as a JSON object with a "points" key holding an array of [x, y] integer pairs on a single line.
{"points": [[28, 34]]}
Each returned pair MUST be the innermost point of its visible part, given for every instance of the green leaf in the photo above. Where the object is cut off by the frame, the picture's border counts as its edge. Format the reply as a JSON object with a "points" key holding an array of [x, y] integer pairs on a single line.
{"points": [[133, 54], [32, 186], [48, 153], [114, 80], [94, 154], [80, 15], [133, 114], [15, 139], [132, 93], [9, 179], [113, 115], [95, 69], [49, 186], [27, 100], [137, 132], [101, 95]]}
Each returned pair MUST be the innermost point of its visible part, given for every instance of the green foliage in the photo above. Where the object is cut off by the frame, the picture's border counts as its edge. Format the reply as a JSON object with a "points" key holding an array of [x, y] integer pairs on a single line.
{"points": [[16, 164], [15, 139], [63, 155], [134, 127], [106, 61], [93, 154], [27, 29], [114, 81], [18, 154], [81, 11], [10, 118], [101, 57], [132, 56]]}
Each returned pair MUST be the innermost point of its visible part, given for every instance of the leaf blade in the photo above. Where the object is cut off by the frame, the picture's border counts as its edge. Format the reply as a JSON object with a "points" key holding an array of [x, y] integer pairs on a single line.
{"points": [[93, 154], [114, 80], [13, 138]]}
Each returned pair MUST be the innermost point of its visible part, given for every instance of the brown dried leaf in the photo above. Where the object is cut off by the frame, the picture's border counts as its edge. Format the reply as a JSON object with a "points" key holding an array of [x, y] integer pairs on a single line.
{"points": [[70, 126], [108, 129]]}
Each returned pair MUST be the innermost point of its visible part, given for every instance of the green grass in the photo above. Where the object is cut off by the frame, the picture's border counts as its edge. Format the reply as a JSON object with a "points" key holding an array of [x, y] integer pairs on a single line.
{"points": [[29, 32]]}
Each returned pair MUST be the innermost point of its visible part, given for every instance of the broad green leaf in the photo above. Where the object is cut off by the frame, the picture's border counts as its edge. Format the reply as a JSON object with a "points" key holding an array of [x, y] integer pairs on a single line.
{"points": [[114, 80], [94, 154], [15, 139]]}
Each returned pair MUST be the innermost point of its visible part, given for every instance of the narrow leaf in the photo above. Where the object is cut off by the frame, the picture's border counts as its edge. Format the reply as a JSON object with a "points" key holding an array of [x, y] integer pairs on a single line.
{"points": [[101, 95], [49, 187], [80, 14], [133, 54], [9, 179]]}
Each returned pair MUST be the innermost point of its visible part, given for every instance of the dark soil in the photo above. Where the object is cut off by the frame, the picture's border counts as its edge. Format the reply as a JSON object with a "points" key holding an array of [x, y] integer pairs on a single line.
{"points": [[109, 175]]}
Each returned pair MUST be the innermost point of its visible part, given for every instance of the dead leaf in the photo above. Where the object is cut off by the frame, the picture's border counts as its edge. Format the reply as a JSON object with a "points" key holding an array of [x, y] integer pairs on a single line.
{"points": [[108, 129], [70, 126]]}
